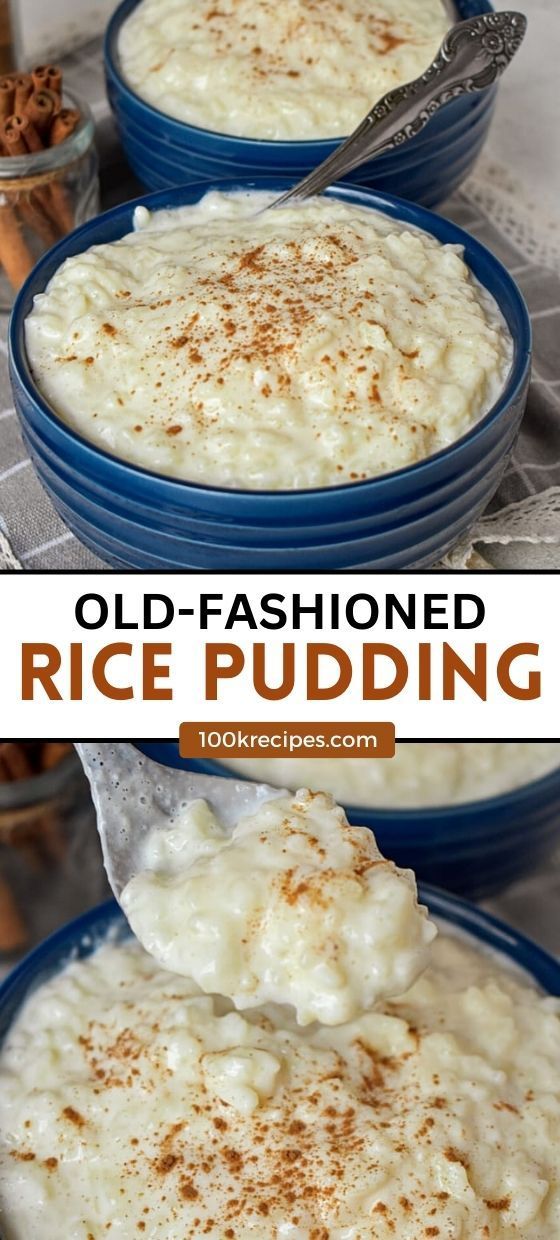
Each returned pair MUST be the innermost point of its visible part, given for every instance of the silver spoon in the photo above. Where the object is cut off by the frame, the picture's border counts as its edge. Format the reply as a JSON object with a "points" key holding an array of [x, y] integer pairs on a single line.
{"points": [[134, 796], [472, 56]]}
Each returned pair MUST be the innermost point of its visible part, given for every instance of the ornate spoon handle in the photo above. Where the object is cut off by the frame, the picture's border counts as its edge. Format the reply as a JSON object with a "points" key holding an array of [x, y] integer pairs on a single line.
{"points": [[473, 54]]}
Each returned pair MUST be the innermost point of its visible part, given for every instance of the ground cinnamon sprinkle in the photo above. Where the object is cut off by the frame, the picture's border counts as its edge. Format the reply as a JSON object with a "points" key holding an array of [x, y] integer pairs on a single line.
{"points": [[455, 1156], [188, 1190], [74, 1116], [166, 1163], [262, 301], [506, 1106], [503, 1203], [341, 1141], [311, 888], [252, 260], [388, 43]]}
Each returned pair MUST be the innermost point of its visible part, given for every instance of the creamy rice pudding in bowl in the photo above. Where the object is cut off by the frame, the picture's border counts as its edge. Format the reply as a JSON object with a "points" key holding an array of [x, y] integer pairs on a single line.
{"points": [[253, 88], [332, 384], [471, 816], [134, 1101], [254, 69]]}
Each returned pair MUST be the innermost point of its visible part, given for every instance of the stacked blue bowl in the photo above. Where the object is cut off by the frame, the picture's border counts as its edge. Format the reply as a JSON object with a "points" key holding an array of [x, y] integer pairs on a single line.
{"points": [[80, 938], [476, 849], [163, 151], [133, 518]]}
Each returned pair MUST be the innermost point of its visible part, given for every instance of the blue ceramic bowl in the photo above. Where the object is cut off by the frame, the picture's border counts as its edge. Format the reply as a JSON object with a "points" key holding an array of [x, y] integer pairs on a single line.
{"points": [[80, 938], [476, 849], [163, 151], [133, 518]]}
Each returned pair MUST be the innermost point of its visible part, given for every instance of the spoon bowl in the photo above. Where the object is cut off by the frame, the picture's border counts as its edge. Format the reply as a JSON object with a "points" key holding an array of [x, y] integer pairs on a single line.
{"points": [[133, 796]]}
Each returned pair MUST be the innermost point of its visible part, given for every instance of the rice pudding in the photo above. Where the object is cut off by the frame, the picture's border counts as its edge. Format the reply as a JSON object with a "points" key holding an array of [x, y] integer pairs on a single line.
{"points": [[293, 906], [308, 346], [302, 69], [422, 773], [132, 1105]]}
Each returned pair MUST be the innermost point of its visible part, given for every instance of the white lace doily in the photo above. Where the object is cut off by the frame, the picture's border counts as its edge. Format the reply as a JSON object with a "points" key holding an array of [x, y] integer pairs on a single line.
{"points": [[521, 219], [8, 561], [535, 520]]}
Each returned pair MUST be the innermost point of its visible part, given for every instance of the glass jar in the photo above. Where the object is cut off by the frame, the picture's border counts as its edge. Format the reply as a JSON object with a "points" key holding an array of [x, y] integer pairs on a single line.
{"points": [[50, 857], [43, 196]]}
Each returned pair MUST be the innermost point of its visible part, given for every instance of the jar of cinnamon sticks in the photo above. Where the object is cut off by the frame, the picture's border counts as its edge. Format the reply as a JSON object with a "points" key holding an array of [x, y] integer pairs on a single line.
{"points": [[50, 859], [48, 170]]}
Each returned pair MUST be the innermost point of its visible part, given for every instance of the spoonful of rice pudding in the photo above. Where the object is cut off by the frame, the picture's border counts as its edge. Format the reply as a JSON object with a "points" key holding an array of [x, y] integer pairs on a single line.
{"points": [[254, 893]]}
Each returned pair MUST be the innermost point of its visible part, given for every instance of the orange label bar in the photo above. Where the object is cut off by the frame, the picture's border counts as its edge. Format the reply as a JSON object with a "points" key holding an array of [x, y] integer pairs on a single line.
{"points": [[287, 740]]}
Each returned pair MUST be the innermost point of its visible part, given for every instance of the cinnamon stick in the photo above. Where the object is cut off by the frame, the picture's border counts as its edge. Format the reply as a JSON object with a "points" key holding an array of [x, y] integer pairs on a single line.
{"points": [[12, 136], [32, 119], [37, 209], [13, 934], [64, 125], [40, 837], [28, 132], [23, 89], [40, 76], [15, 257], [61, 211], [40, 110], [21, 759], [52, 752], [15, 761], [54, 82], [33, 210], [62, 128], [7, 94]]}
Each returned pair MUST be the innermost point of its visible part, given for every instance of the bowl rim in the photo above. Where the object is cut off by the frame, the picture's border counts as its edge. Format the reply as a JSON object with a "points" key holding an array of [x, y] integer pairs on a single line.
{"points": [[485, 928], [404, 814], [113, 68], [442, 229]]}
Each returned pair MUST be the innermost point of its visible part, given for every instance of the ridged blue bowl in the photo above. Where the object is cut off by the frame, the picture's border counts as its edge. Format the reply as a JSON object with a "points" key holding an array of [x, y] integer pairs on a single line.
{"points": [[83, 936], [476, 849], [133, 518], [163, 151]]}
